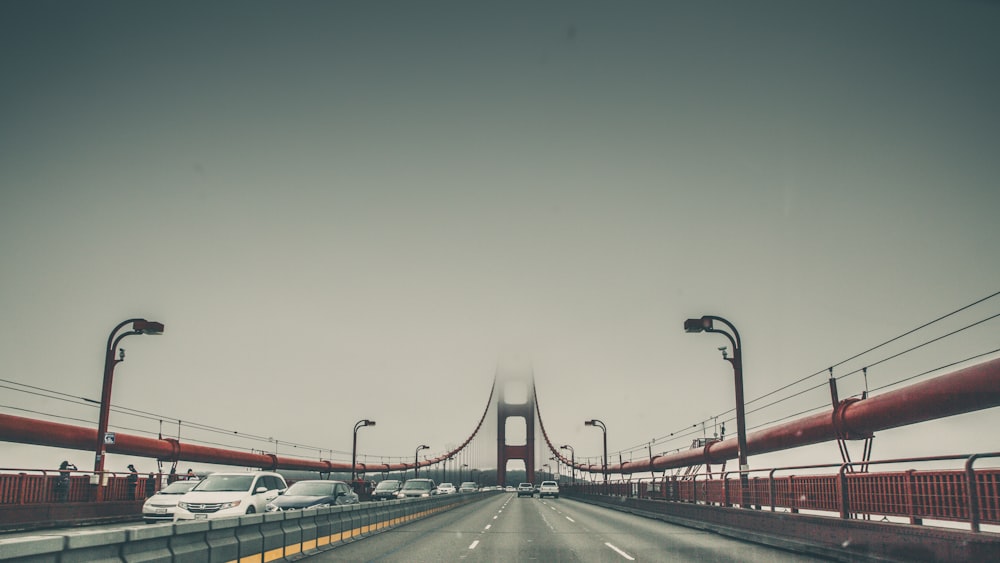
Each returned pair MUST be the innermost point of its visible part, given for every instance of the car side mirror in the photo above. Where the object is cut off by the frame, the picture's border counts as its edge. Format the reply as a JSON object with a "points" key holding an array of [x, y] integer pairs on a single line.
{"points": [[341, 493], [261, 489]]}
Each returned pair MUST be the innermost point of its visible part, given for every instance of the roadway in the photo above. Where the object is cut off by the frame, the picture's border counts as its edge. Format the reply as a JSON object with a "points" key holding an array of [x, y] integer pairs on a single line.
{"points": [[507, 528]]}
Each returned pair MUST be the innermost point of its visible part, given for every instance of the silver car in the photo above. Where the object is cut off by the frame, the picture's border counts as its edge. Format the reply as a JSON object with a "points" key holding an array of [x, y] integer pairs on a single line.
{"points": [[161, 506]]}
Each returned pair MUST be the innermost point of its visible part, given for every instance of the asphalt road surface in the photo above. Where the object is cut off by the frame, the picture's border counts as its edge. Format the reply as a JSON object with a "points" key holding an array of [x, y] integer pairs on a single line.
{"points": [[507, 528]]}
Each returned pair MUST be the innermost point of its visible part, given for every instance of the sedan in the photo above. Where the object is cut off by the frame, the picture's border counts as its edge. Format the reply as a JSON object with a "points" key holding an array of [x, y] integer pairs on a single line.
{"points": [[445, 489], [313, 494], [386, 489], [160, 507]]}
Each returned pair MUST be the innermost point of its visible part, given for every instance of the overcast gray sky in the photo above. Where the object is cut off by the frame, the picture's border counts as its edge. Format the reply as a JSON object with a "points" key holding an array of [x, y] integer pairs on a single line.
{"points": [[327, 200]]}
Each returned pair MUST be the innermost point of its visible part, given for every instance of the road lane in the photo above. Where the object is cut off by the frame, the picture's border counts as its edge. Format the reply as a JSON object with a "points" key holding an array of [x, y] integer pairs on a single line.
{"points": [[507, 528], [448, 536]]}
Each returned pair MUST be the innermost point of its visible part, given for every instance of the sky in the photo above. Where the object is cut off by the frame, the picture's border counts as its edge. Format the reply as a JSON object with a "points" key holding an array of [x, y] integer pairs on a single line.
{"points": [[348, 210]]}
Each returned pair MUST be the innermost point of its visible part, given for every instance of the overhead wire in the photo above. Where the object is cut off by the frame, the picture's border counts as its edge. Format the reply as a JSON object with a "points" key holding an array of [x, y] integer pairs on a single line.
{"points": [[687, 430]]}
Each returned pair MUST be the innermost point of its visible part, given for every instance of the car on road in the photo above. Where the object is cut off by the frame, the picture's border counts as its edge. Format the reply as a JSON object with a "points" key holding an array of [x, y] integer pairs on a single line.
{"points": [[468, 487], [416, 488], [509, 489], [446, 489], [548, 489], [525, 489], [313, 493], [386, 489], [230, 494], [161, 506]]}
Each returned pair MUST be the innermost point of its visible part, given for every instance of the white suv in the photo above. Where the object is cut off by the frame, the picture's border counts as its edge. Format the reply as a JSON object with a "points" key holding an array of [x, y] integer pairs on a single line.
{"points": [[230, 494], [548, 489]]}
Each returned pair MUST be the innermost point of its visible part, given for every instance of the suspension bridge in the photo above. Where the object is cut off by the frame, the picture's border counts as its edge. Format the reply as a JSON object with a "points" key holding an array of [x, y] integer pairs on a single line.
{"points": [[939, 507]]}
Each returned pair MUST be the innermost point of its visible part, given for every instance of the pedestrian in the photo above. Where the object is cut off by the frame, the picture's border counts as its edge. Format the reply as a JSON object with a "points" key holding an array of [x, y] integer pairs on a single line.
{"points": [[191, 476], [150, 485], [131, 481], [62, 481]]}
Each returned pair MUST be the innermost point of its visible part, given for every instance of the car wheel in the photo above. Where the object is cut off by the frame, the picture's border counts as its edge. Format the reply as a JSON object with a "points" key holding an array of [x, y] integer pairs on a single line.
{"points": [[251, 509]]}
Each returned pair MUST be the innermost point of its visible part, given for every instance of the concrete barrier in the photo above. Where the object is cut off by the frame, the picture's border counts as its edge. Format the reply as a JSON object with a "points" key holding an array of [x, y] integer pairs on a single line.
{"points": [[223, 544], [275, 536]]}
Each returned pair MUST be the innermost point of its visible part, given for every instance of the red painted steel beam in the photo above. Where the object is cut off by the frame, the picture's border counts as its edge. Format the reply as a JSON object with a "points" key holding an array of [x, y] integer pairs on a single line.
{"points": [[967, 390], [46, 433]]}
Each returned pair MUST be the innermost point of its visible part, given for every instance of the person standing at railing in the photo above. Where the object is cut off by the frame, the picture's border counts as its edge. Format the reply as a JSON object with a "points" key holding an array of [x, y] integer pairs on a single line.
{"points": [[131, 481], [62, 481], [150, 485]]}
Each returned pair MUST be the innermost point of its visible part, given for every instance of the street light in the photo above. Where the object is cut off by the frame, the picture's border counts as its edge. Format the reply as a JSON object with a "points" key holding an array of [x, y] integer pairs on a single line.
{"points": [[572, 460], [354, 447], [704, 324], [460, 473], [415, 458], [139, 326], [549, 472], [599, 424]]}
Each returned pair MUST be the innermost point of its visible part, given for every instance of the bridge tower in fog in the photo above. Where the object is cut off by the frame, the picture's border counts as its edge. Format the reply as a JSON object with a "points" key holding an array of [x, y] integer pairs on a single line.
{"points": [[515, 400]]}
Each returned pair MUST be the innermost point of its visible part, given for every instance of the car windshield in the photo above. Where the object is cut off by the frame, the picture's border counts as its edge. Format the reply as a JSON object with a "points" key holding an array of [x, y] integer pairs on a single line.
{"points": [[224, 483], [387, 486], [468, 484], [446, 485], [549, 484], [311, 489], [178, 487], [417, 485]]}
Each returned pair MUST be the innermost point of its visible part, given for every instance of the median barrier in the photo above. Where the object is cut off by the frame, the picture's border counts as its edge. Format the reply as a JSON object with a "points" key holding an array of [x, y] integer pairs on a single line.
{"points": [[307, 525], [274, 536], [223, 545], [291, 528], [150, 544], [188, 538]]}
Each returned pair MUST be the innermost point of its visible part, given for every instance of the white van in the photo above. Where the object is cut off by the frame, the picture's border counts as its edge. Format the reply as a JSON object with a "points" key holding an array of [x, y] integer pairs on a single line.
{"points": [[230, 494]]}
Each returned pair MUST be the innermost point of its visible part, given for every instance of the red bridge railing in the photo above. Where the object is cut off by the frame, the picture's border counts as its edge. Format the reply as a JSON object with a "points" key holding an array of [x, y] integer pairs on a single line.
{"points": [[40, 486], [915, 494]]}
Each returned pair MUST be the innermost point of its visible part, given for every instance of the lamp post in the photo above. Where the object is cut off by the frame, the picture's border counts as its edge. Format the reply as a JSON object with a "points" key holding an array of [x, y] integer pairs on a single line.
{"points": [[460, 472], [354, 448], [572, 460], [558, 469], [139, 326], [705, 324], [599, 424], [549, 472], [416, 467]]}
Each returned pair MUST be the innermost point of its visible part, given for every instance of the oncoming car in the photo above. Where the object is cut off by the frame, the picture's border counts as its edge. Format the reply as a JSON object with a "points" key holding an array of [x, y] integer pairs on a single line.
{"points": [[230, 494], [416, 488], [445, 489], [313, 494], [161, 506], [386, 489]]}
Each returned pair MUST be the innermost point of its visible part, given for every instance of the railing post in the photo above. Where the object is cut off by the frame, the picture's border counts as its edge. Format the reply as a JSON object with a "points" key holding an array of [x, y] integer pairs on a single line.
{"points": [[725, 489], [911, 495], [844, 497], [772, 495], [973, 488], [20, 488]]}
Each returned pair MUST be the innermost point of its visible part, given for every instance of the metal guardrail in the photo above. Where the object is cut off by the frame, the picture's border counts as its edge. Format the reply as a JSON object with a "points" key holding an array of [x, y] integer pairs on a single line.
{"points": [[966, 495]]}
